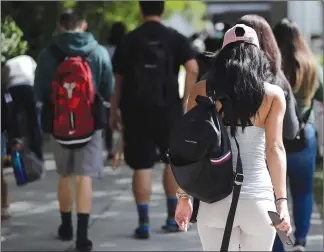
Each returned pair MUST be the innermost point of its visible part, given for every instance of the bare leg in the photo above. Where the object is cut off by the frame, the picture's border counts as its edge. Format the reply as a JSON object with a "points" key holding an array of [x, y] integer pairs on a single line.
{"points": [[169, 183], [142, 186], [65, 194], [142, 189], [83, 194]]}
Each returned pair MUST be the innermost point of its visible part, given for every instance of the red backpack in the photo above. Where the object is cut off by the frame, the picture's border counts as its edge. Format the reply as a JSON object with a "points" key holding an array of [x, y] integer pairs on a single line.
{"points": [[72, 97]]}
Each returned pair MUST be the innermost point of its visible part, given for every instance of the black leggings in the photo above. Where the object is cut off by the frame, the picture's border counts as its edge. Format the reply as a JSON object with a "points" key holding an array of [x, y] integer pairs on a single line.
{"points": [[24, 110]]}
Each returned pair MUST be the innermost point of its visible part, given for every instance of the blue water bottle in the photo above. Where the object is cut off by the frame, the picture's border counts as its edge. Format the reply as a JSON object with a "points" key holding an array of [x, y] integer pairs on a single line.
{"points": [[18, 168]]}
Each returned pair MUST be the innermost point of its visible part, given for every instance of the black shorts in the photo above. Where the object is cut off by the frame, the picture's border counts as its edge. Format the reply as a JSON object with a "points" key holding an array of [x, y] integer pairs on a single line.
{"points": [[145, 131]]}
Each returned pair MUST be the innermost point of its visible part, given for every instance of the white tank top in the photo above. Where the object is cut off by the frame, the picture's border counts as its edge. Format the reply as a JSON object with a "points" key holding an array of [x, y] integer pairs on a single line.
{"points": [[257, 183]]}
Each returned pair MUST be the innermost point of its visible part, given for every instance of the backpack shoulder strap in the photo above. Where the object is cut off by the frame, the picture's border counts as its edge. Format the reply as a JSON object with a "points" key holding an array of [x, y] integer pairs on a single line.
{"points": [[303, 119], [308, 113], [238, 181], [210, 91]]}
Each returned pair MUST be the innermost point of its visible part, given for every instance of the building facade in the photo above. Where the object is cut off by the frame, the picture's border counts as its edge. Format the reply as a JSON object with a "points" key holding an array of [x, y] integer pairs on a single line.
{"points": [[307, 14]]}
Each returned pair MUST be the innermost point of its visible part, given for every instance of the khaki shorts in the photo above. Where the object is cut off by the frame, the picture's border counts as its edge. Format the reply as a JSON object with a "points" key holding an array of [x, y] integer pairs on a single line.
{"points": [[86, 161]]}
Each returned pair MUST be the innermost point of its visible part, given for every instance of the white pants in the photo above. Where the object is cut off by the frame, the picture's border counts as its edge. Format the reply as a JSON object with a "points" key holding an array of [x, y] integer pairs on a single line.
{"points": [[251, 228]]}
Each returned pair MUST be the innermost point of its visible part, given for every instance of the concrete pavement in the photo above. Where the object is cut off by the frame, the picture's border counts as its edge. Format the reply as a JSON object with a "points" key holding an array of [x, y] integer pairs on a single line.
{"points": [[35, 218]]}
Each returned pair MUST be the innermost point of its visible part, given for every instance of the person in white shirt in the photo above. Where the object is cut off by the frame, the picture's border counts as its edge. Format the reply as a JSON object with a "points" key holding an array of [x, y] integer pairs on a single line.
{"points": [[18, 71], [17, 77]]}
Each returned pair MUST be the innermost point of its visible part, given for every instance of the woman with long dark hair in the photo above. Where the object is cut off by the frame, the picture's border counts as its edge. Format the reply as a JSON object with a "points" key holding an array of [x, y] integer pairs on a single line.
{"points": [[270, 48], [300, 69], [242, 72]]}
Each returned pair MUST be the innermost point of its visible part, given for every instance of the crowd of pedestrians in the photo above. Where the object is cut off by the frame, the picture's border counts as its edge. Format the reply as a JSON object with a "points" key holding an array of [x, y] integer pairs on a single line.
{"points": [[81, 92]]}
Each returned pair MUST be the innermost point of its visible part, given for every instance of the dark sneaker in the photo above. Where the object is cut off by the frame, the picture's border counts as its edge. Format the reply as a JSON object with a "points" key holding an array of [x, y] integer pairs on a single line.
{"points": [[299, 246], [65, 233], [141, 234], [171, 226], [84, 246]]}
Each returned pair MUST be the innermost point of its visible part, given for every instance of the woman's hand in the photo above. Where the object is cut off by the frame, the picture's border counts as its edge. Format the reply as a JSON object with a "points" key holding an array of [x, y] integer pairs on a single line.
{"points": [[183, 213], [282, 209]]}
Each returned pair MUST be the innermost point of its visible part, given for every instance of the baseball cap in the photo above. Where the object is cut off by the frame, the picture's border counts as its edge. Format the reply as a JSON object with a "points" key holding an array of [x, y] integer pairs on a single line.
{"points": [[241, 32]]}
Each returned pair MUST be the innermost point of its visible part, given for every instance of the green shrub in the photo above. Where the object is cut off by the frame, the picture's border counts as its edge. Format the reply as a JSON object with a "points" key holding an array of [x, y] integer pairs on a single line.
{"points": [[12, 43]]}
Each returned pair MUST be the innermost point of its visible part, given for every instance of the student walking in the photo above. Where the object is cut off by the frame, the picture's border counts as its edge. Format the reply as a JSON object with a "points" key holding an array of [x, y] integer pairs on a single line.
{"points": [[146, 67], [268, 44], [306, 80], [242, 75], [17, 77], [73, 75]]}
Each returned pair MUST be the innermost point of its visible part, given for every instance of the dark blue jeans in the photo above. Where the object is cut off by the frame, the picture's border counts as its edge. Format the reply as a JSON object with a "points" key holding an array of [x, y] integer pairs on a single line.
{"points": [[300, 171]]}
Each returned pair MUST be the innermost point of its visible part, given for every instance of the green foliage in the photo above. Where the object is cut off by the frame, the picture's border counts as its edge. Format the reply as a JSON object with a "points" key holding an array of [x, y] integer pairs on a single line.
{"points": [[193, 11], [100, 15], [38, 20], [11, 40]]}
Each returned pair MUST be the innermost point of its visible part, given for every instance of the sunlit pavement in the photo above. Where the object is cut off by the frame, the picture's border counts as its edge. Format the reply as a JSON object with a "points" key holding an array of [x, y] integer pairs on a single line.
{"points": [[35, 218]]}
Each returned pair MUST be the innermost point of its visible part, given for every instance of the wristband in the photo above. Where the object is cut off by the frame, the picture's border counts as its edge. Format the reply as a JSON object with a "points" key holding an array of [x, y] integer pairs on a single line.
{"points": [[180, 195], [281, 199]]}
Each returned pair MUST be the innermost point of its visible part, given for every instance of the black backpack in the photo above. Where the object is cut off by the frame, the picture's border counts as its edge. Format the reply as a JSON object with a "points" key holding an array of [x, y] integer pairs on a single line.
{"points": [[152, 72], [299, 143], [200, 157]]}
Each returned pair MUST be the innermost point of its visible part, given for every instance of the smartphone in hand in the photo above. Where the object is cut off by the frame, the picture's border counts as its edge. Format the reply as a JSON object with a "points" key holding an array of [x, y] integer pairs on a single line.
{"points": [[275, 218]]}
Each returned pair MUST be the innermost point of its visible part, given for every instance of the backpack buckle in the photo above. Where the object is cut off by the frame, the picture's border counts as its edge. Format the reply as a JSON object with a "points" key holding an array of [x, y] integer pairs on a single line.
{"points": [[238, 179]]}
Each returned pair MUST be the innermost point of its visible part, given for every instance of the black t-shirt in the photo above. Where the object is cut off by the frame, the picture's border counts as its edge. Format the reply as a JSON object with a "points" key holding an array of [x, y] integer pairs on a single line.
{"points": [[179, 45]]}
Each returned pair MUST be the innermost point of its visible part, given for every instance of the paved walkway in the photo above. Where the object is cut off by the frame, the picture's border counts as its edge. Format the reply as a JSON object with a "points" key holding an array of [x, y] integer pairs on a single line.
{"points": [[35, 218]]}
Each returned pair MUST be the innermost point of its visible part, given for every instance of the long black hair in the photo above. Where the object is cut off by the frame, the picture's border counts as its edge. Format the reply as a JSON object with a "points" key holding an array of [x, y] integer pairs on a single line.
{"points": [[239, 73], [117, 33]]}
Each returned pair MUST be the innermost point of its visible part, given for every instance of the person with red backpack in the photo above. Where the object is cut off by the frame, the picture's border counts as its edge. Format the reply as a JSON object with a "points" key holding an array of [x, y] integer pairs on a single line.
{"points": [[73, 79]]}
